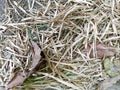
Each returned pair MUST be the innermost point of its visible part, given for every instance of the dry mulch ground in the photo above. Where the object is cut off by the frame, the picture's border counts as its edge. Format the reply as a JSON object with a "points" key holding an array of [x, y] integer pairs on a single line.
{"points": [[62, 45]]}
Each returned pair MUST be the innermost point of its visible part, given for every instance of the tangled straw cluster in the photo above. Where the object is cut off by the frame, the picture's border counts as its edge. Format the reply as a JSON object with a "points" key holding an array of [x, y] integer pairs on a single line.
{"points": [[61, 28]]}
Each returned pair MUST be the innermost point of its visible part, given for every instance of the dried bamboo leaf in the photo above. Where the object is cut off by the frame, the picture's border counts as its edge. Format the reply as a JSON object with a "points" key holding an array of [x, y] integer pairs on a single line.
{"points": [[18, 79], [21, 76], [101, 51], [36, 56]]}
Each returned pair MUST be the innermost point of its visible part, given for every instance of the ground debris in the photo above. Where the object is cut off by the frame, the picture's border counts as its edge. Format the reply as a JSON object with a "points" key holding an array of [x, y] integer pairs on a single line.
{"points": [[21, 75], [109, 82], [100, 51]]}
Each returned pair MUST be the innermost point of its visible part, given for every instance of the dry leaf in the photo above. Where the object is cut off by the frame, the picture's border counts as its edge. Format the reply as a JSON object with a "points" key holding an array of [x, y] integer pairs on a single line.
{"points": [[21, 76], [18, 79], [36, 56], [101, 51]]}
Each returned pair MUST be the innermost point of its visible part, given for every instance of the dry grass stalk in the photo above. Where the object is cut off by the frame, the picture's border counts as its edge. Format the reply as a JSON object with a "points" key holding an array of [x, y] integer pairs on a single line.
{"points": [[62, 27]]}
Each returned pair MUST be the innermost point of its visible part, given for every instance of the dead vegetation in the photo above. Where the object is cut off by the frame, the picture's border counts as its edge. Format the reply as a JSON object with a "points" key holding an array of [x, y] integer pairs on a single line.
{"points": [[74, 36]]}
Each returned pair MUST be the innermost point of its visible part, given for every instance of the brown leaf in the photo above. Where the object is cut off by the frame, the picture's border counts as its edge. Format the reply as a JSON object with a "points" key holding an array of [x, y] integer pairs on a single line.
{"points": [[18, 79], [102, 51], [36, 56], [21, 76]]}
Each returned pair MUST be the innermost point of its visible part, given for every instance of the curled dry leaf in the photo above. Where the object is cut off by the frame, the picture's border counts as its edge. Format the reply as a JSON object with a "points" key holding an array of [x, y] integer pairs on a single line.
{"points": [[18, 79], [102, 51], [36, 56], [21, 76]]}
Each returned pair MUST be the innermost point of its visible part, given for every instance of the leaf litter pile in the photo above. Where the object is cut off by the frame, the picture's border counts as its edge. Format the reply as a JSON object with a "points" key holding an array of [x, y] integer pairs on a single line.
{"points": [[60, 44]]}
